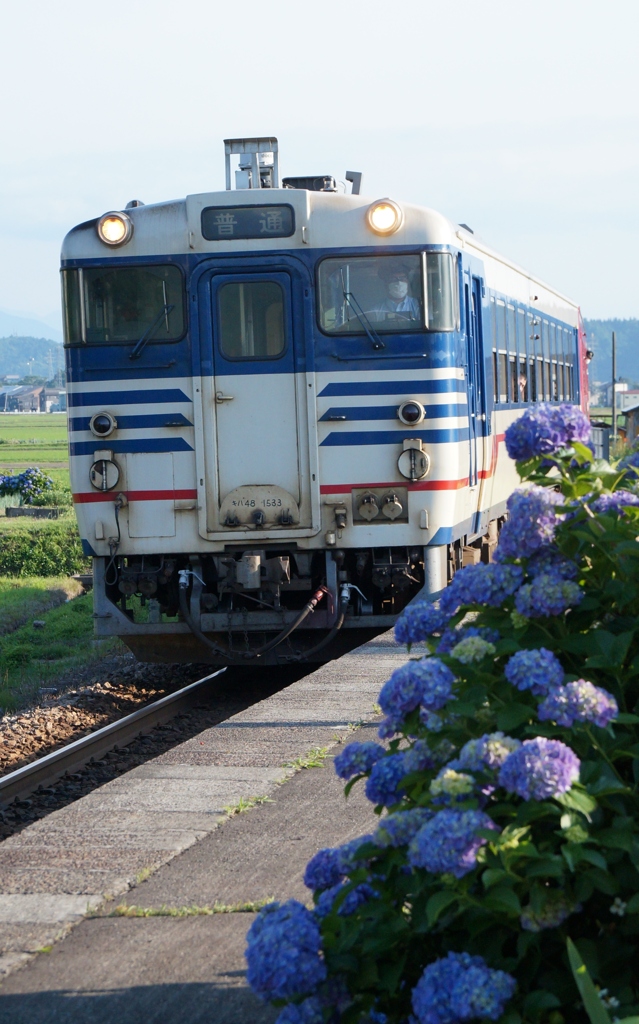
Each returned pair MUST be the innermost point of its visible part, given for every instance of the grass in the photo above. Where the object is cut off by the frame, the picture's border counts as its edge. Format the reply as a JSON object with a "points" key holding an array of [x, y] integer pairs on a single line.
{"points": [[23, 600], [31, 658], [193, 911], [38, 439], [313, 759], [245, 803]]}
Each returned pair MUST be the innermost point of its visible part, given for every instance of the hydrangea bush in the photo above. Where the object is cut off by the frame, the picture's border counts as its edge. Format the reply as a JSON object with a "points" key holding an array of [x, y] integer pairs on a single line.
{"points": [[506, 782], [30, 484]]}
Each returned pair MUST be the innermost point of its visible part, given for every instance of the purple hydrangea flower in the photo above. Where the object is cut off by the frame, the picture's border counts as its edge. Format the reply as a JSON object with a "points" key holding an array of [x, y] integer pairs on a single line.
{"points": [[579, 702], [546, 429], [357, 758], [284, 952], [427, 682], [399, 828], [539, 769], [461, 987], [483, 585], [631, 463], [614, 503], [539, 671], [307, 1012], [550, 560], [532, 522], [451, 637], [355, 898], [548, 594], [418, 621], [488, 751], [449, 842]]}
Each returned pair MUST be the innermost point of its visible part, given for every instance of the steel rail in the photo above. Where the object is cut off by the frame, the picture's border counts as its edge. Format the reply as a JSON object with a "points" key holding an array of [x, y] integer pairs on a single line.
{"points": [[19, 784]]}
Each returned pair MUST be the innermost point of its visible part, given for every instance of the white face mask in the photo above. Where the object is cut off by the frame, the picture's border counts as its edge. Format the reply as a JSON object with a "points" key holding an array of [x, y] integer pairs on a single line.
{"points": [[398, 290]]}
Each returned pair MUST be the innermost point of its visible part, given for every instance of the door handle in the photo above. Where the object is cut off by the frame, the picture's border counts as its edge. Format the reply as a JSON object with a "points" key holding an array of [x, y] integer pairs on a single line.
{"points": [[221, 397]]}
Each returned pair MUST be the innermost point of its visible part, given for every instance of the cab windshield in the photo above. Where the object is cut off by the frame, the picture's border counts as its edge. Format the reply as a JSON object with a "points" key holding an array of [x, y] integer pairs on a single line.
{"points": [[386, 294], [110, 305]]}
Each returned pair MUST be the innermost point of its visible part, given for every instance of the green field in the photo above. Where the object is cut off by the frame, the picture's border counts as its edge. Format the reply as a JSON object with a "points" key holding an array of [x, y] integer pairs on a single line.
{"points": [[36, 439]]}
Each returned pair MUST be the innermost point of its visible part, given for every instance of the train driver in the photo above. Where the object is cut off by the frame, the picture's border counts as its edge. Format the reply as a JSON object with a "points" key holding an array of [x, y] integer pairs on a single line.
{"points": [[398, 304]]}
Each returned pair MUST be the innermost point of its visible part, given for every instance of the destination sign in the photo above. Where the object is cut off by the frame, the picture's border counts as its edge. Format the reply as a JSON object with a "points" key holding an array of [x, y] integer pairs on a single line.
{"points": [[221, 223]]}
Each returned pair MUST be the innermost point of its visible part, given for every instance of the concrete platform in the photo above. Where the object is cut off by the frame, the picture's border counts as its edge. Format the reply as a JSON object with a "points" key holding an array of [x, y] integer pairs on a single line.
{"points": [[190, 968]]}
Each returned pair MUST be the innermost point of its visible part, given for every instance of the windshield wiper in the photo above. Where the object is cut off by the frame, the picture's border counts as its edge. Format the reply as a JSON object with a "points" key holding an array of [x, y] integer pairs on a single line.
{"points": [[148, 334], [348, 296]]}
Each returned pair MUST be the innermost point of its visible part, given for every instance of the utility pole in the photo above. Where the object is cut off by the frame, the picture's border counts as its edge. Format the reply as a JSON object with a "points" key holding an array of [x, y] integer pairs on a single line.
{"points": [[614, 386]]}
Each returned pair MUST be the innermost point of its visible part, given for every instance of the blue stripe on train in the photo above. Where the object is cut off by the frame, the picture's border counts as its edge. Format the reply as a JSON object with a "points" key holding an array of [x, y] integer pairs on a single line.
{"points": [[141, 397], [394, 387], [145, 444], [163, 419], [359, 437], [387, 412]]}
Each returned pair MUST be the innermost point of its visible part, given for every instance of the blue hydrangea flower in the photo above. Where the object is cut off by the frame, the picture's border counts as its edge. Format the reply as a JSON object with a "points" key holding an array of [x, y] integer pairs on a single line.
{"points": [[461, 987], [488, 751], [547, 595], [539, 671], [307, 1012], [399, 828], [579, 702], [630, 463], [539, 769], [383, 786], [614, 503], [389, 727], [451, 637], [557, 907], [427, 682], [449, 842], [418, 621], [545, 430], [550, 560], [418, 757], [532, 522], [482, 585], [324, 869], [284, 952], [357, 758], [449, 786], [349, 853], [355, 898]]}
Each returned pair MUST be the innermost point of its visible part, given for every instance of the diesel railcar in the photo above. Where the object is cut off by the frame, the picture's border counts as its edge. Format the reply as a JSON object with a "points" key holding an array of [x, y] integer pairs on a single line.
{"points": [[287, 406]]}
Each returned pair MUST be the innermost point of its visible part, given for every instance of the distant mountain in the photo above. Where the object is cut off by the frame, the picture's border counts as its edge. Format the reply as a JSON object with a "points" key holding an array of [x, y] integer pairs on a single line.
{"points": [[27, 327], [40, 357], [600, 341]]}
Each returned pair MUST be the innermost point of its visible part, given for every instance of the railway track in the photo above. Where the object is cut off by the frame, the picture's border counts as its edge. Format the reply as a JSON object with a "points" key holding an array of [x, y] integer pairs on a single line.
{"points": [[21, 783]]}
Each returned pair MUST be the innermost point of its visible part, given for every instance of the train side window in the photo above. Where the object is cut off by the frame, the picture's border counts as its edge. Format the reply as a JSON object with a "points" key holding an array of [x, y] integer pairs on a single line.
{"points": [[493, 326], [568, 349], [554, 382], [502, 353], [521, 348], [511, 331], [251, 320], [546, 359], [535, 334]]}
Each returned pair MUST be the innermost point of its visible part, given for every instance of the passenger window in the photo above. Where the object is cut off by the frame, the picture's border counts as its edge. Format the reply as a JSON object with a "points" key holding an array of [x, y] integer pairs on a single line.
{"points": [[251, 319], [522, 378]]}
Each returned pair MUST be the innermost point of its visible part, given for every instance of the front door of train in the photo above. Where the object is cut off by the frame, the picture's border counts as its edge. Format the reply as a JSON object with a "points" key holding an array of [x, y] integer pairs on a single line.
{"points": [[255, 421], [477, 423]]}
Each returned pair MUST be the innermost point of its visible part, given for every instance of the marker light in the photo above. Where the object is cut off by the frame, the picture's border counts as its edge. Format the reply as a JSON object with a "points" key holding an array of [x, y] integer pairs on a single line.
{"points": [[384, 217], [411, 413], [102, 424], [115, 228]]}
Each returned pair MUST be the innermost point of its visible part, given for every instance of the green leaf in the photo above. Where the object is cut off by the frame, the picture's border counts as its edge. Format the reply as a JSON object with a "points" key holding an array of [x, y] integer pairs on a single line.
{"points": [[633, 904], [492, 876], [438, 903], [504, 899], [577, 800], [624, 718], [592, 1003], [617, 838], [513, 715], [540, 1000]]}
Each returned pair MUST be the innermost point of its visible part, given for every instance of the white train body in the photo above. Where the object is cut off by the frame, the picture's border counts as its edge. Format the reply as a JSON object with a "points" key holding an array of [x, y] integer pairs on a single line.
{"points": [[234, 411]]}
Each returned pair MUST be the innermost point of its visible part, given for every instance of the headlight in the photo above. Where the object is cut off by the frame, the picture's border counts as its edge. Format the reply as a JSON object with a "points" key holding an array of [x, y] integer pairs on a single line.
{"points": [[384, 217], [115, 229]]}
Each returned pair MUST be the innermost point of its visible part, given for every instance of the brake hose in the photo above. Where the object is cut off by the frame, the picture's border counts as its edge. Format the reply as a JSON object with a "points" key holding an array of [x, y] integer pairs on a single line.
{"points": [[227, 652]]}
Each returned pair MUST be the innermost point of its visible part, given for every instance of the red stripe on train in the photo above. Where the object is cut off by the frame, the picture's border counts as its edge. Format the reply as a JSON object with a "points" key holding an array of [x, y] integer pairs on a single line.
{"points": [[88, 496]]}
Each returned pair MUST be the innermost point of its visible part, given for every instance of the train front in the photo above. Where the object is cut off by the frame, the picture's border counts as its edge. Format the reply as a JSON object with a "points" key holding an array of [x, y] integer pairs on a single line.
{"points": [[264, 389]]}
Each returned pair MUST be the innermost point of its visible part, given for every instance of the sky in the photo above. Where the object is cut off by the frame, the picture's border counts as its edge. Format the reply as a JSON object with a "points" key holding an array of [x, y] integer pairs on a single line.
{"points": [[518, 118]]}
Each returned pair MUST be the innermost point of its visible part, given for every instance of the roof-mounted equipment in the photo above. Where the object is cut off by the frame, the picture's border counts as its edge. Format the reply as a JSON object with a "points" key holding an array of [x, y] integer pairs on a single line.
{"points": [[321, 183], [258, 163]]}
